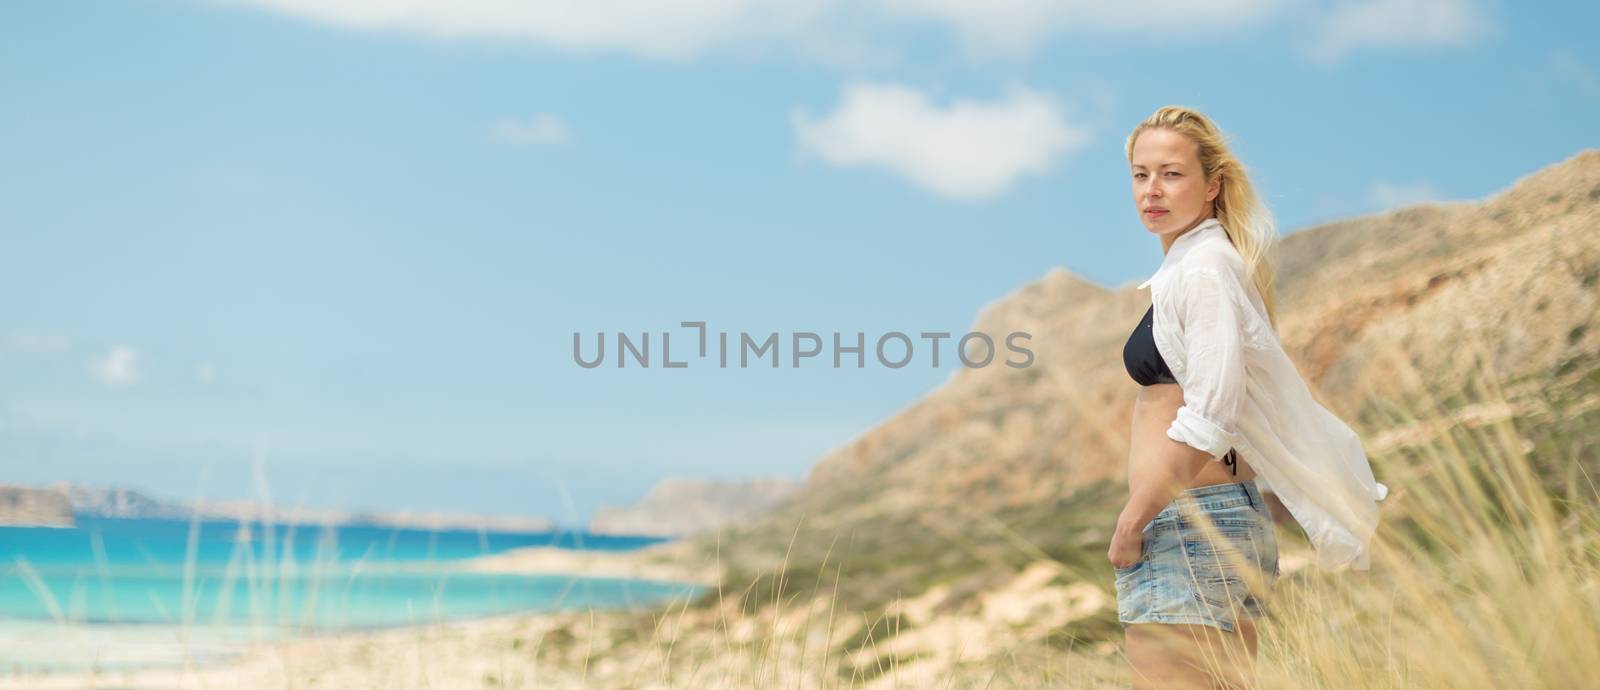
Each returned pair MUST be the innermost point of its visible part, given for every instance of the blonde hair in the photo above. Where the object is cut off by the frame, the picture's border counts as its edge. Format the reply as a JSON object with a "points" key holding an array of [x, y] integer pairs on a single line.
{"points": [[1244, 217]]}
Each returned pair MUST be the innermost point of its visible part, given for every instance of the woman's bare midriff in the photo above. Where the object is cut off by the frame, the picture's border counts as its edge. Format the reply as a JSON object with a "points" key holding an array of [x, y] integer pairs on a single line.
{"points": [[1153, 412]]}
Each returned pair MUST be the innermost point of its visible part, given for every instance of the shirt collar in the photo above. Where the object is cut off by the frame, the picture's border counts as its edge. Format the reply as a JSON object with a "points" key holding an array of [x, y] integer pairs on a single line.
{"points": [[1182, 244]]}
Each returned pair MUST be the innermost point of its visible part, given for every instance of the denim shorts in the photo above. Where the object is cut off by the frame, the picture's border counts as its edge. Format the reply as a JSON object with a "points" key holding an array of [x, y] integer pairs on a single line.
{"points": [[1184, 577]]}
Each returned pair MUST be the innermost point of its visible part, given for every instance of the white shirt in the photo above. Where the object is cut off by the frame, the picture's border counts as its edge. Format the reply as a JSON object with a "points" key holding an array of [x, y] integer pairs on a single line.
{"points": [[1241, 391]]}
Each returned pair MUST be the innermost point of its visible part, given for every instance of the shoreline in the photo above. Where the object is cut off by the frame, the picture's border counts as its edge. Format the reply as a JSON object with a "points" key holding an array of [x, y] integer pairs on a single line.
{"points": [[659, 563], [264, 662]]}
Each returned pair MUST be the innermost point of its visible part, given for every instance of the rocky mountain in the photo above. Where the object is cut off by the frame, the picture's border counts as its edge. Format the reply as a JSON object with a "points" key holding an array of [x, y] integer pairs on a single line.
{"points": [[118, 502], [31, 507], [1420, 306], [125, 502], [677, 507]]}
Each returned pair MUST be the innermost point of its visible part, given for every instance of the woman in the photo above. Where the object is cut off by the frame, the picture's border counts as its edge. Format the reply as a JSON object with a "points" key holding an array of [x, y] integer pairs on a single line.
{"points": [[1221, 409]]}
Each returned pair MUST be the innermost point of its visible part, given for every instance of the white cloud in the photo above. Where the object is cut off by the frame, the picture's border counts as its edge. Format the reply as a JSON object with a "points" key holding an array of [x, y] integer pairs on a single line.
{"points": [[851, 32], [1386, 195], [1561, 81], [669, 29], [118, 367], [1359, 24], [870, 33], [541, 130], [968, 150], [1568, 73], [1018, 26]]}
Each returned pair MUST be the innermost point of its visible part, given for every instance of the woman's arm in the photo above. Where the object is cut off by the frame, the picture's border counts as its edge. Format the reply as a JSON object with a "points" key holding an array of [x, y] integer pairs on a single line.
{"points": [[1213, 340]]}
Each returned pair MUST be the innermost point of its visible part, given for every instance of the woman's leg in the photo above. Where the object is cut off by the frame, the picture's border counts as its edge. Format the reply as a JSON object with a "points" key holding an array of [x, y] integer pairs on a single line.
{"points": [[1198, 657]]}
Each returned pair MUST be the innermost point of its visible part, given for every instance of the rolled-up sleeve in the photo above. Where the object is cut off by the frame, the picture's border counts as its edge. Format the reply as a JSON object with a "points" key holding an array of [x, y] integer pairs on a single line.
{"points": [[1211, 307]]}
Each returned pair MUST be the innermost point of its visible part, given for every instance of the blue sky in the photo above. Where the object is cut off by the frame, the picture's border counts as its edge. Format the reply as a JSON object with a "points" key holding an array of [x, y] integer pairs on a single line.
{"points": [[339, 250]]}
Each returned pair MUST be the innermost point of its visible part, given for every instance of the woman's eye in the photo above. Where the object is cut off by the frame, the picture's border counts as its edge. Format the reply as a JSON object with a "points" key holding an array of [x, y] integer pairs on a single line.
{"points": [[1174, 173]]}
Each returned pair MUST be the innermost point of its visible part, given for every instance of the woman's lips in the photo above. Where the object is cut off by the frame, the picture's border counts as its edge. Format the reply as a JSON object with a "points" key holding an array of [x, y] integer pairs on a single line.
{"points": [[1155, 214]]}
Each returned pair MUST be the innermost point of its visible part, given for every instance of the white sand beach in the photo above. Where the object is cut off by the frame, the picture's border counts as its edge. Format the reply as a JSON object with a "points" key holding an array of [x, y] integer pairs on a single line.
{"points": [[651, 563]]}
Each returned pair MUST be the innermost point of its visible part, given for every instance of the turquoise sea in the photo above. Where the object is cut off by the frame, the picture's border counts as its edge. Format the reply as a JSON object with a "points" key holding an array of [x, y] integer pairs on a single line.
{"points": [[130, 592]]}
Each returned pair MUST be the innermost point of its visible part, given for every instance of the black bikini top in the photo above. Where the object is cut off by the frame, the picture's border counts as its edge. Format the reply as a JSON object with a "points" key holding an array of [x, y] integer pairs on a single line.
{"points": [[1140, 356], [1145, 365]]}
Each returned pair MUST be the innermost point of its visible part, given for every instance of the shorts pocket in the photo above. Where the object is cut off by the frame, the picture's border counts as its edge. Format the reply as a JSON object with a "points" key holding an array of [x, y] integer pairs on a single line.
{"points": [[1223, 591], [1145, 537], [1232, 533]]}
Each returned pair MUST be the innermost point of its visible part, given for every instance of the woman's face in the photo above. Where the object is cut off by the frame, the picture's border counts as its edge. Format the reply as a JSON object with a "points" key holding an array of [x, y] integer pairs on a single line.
{"points": [[1169, 188]]}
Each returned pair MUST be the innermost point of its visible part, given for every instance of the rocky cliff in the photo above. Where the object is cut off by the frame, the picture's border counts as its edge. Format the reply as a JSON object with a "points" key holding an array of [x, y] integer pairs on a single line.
{"points": [[124, 502], [23, 506], [677, 507], [118, 502]]}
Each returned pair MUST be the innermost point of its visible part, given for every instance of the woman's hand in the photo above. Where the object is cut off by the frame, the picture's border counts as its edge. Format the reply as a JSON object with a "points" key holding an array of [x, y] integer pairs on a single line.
{"points": [[1126, 546]]}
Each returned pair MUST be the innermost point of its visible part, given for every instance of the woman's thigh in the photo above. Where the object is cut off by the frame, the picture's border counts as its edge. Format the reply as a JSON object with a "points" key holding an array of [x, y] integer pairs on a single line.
{"points": [[1178, 655]]}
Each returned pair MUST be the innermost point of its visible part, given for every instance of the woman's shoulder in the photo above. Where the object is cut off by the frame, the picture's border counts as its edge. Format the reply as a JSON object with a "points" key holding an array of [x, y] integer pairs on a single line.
{"points": [[1215, 270], [1216, 256]]}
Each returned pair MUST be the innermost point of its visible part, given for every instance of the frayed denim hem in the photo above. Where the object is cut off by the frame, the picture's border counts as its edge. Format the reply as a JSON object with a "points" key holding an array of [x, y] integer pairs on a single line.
{"points": [[1189, 618]]}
